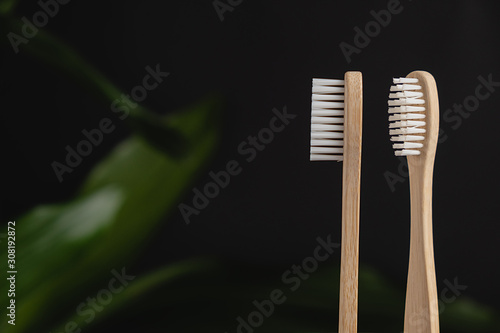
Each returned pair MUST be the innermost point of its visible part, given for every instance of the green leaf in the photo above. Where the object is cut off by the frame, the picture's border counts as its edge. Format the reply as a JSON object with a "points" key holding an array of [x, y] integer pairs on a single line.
{"points": [[59, 232], [66, 251]]}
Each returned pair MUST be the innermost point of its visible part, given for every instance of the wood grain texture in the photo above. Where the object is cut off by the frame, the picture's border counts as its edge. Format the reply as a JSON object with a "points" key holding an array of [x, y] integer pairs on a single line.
{"points": [[348, 305], [421, 312]]}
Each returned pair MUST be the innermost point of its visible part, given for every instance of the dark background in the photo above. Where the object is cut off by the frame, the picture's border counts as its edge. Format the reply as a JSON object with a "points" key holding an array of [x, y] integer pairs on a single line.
{"points": [[263, 56]]}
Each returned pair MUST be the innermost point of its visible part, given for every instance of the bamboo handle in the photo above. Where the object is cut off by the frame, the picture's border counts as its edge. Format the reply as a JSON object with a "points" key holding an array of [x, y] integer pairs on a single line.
{"points": [[421, 313], [348, 307]]}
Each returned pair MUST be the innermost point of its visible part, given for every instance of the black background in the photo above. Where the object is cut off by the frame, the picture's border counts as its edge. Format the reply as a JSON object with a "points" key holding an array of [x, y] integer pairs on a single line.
{"points": [[263, 56]]}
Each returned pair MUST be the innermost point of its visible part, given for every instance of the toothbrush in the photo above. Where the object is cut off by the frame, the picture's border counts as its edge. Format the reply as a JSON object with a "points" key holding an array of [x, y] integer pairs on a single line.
{"points": [[414, 126], [336, 125]]}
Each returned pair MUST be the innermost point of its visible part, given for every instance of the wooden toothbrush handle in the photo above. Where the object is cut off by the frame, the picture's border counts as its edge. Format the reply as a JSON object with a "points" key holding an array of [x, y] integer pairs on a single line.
{"points": [[348, 306], [421, 313]]}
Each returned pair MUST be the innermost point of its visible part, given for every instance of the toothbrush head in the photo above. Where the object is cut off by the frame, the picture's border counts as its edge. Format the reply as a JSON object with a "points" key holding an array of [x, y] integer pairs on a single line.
{"points": [[414, 114], [327, 120]]}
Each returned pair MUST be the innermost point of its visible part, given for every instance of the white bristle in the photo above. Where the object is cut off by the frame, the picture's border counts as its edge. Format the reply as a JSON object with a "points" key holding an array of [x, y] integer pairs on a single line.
{"points": [[327, 119], [405, 101], [402, 87], [326, 150], [328, 82], [326, 127], [406, 94], [327, 135], [325, 142], [327, 113], [406, 108], [407, 116], [327, 90], [322, 105], [328, 97], [404, 80]]}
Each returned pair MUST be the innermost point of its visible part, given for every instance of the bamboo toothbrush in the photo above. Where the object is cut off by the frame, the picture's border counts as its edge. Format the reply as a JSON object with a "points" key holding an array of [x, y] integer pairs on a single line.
{"points": [[414, 126], [336, 124]]}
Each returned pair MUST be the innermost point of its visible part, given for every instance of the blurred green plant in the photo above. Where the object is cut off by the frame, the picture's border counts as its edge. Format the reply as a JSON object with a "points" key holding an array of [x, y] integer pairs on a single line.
{"points": [[7, 6], [66, 251]]}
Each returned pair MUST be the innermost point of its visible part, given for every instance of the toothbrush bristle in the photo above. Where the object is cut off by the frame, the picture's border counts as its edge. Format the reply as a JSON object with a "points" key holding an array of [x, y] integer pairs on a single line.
{"points": [[327, 120], [407, 116]]}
